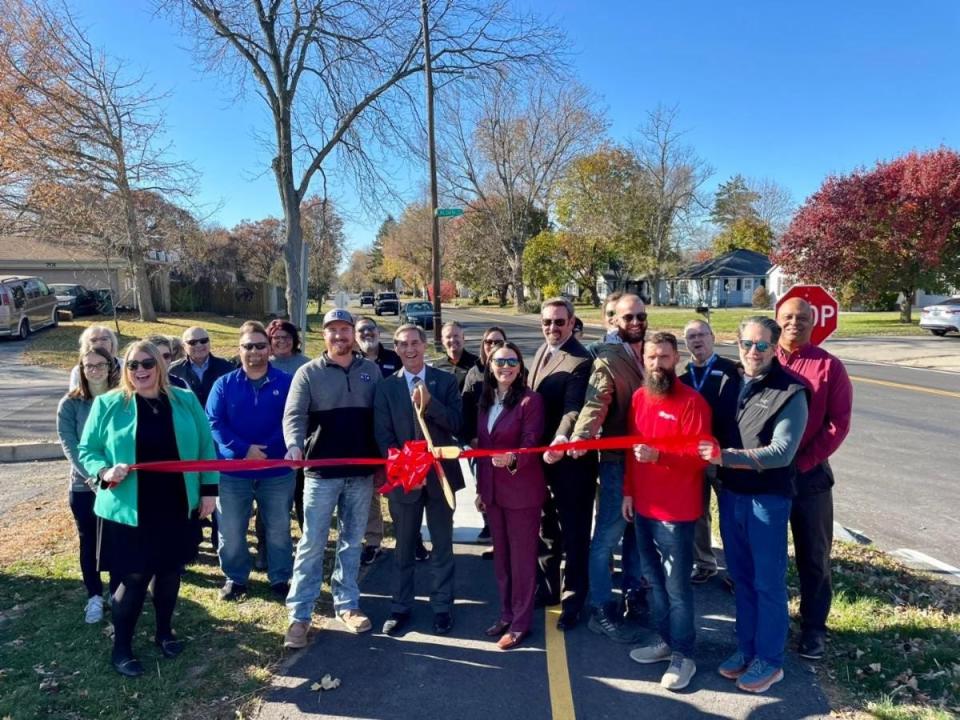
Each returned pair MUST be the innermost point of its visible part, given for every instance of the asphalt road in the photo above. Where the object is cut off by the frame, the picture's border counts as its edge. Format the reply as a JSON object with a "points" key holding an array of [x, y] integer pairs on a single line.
{"points": [[896, 482]]}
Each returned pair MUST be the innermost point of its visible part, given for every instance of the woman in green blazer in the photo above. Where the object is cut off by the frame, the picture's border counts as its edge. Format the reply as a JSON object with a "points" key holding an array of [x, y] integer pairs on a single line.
{"points": [[149, 520]]}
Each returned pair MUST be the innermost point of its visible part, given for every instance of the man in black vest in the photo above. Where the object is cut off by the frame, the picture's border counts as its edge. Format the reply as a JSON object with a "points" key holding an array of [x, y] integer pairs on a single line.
{"points": [[200, 368], [718, 381]]}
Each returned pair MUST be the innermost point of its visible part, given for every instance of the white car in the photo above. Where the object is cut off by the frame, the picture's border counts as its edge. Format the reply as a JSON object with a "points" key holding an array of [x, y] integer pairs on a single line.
{"points": [[942, 318]]}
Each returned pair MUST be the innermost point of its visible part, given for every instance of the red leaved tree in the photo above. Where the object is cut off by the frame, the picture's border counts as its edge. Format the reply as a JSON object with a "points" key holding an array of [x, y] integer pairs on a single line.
{"points": [[895, 228]]}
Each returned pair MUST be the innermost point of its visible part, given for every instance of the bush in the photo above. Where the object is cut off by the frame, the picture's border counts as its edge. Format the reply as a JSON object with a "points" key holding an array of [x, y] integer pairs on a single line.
{"points": [[761, 298], [532, 307]]}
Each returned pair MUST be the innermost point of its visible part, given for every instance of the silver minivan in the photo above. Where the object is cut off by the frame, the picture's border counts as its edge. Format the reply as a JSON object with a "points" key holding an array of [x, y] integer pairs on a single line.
{"points": [[26, 304]]}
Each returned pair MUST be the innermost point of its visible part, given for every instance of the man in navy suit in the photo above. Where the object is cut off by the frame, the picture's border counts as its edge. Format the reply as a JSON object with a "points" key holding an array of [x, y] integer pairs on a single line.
{"points": [[395, 422]]}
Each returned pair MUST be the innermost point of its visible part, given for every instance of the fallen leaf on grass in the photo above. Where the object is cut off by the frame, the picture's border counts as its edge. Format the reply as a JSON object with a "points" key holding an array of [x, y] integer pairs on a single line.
{"points": [[874, 667], [50, 685]]}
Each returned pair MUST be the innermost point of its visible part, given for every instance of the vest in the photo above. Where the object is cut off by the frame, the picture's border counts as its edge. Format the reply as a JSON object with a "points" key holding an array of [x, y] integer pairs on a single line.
{"points": [[756, 416]]}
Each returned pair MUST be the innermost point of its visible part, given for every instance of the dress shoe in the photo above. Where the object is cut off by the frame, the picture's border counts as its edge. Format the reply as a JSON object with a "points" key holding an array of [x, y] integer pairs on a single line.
{"points": [[170, 647], [497, 629], [128, 667], [510, 640], [395, 623], [369, 554], [812, 646], [568, 619], [442, 623]]}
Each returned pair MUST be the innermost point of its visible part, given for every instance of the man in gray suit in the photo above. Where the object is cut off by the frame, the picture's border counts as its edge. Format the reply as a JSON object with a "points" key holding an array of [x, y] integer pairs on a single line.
{"points": [[560, 373], [395, 423]]}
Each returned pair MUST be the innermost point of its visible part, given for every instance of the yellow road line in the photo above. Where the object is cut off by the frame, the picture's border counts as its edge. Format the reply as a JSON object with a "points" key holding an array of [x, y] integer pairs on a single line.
{"points": [[558, 675], [903, 386]]}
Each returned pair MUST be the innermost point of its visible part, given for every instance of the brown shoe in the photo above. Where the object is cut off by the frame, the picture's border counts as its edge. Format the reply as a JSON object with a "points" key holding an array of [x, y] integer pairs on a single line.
{"points": [[497, 629], [510, 640], [355, 621], [296, 636]]}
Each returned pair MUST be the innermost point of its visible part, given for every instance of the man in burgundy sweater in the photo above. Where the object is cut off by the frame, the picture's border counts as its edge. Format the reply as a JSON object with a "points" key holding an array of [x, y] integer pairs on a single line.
{"points": [[828, 422], [663, 497]]}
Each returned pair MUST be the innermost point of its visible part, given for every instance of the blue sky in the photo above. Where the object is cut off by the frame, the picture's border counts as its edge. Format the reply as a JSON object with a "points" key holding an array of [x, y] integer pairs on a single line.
{"points": [[786, 90]]}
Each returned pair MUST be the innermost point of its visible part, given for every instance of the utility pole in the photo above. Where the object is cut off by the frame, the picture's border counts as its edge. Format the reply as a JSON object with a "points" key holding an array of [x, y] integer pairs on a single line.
{"points": [[431, 141]]}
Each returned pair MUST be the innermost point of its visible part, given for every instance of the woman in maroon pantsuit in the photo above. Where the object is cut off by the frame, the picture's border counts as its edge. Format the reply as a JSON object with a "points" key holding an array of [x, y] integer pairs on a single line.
{"points": [[511, 488]]}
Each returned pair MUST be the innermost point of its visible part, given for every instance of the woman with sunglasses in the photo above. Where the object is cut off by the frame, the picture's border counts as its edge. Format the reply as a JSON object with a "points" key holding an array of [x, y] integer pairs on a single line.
{"points": [[165, 346], [286, 350], [97, 374], [511, 488], [149, 518], [756, 473]]}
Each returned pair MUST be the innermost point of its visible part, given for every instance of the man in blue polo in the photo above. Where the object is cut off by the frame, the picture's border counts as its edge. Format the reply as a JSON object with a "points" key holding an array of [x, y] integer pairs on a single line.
{"points": [[245, 408]]}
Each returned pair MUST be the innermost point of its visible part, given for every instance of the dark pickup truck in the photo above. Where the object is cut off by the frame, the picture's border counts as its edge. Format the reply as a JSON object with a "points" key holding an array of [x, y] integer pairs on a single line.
{"points": [[387, 302]]}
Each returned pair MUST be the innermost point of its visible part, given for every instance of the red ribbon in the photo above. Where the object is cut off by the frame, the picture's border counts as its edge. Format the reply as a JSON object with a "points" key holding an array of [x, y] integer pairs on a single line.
{"points": [[407, 467]]}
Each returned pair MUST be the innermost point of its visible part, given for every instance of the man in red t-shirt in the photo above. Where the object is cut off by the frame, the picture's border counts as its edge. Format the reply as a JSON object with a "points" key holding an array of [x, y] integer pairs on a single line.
{"points": [[663, 497]]}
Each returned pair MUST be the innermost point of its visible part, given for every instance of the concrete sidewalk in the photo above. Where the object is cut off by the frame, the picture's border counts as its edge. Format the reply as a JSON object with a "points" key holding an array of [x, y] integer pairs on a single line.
{"points": [[29, 395], [464, 676]]}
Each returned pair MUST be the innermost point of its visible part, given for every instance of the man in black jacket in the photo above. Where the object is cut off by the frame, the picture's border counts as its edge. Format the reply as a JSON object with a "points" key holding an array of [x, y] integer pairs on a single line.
{"points": [[200, 368], [457, 360], [718, 381]]}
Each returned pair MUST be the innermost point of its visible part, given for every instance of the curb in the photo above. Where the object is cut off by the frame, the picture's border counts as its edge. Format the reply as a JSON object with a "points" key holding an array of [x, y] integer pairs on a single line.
{"points": [[28, 451]]}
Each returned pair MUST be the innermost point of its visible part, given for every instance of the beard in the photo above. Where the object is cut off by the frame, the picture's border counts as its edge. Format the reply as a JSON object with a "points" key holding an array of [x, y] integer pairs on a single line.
{"points": [[632, 335], [368, 344], [660, 382]]}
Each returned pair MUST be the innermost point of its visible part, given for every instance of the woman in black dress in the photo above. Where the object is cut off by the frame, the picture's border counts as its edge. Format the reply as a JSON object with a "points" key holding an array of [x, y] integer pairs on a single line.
{"points": [[149, 520]]}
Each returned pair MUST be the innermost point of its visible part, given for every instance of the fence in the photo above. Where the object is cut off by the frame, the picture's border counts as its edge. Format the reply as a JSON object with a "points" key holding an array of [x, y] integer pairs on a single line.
{"points": [[241, 299]]}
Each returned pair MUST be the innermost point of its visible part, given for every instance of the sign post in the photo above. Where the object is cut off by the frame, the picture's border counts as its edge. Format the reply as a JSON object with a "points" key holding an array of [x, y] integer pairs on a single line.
{"points": [[824, 306]]}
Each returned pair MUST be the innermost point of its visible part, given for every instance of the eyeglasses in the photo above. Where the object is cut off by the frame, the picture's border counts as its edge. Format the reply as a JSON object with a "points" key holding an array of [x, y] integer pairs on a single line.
{"points": [[282, 338], [254, 346], [761, 346], [630, 317], [148, 364], [367, 331], [198, 341], [559, 322], [96, 367], [493, 341], [506, 362]]}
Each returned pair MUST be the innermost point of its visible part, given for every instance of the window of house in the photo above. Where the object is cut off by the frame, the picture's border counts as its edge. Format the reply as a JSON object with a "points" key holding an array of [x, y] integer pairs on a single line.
{"points": [[739, 284], [748, 284]]}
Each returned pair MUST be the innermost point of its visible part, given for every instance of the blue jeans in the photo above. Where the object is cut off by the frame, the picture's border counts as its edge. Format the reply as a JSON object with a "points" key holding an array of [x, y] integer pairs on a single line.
{"points": [[350, 497], [666, 557], [274, 497], [754, 532], [607, 532]]}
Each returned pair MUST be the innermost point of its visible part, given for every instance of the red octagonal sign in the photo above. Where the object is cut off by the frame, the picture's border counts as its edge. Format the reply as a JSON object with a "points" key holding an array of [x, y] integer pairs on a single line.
{"points": [[824, 309]]}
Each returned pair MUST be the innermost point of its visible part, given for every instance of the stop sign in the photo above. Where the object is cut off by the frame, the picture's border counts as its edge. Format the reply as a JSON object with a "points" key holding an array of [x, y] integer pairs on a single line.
{"points": [[824, 309]]}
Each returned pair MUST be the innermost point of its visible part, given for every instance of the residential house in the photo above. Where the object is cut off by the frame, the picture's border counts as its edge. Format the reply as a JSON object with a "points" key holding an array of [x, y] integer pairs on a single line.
{"points": [[728, 280]]}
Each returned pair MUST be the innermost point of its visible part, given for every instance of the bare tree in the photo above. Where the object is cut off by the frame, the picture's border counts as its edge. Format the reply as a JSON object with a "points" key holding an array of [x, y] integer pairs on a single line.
{"points": [[676, 174], [339, 81], [774, 204], [505, 149], [86, 143], [323, 233]]}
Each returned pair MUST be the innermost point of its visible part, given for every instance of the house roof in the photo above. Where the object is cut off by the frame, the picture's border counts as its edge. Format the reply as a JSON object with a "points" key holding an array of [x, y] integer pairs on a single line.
{"points": [[736, 263], [15, 248]]}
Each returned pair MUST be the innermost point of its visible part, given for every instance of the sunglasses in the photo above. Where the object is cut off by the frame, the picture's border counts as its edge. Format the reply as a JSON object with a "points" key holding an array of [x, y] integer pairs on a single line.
{"points": [[95, 367], [506, 362], [630, 317], [198, 341], [148, 364], [254, 346], [559, 322], [494, 341], [760, 346]]}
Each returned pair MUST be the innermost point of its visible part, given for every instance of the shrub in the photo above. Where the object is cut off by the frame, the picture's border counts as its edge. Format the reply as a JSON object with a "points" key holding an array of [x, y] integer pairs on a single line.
{"points": [[761, 298]]}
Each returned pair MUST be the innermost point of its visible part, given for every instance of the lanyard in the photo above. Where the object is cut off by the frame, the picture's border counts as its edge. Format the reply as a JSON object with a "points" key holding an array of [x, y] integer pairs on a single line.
{"points": [[698, 384]]}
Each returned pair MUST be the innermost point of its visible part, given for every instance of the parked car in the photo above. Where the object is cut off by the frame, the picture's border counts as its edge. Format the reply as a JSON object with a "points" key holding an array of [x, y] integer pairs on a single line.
{"points": [[366, 298], [387, 302], [26, 304], [419, 313], [942, 318], [76, 298]]}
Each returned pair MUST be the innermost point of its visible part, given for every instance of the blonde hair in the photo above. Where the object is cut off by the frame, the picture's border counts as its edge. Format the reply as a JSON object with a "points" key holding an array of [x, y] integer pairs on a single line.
{"points": [[144, 346], [84, 340]]}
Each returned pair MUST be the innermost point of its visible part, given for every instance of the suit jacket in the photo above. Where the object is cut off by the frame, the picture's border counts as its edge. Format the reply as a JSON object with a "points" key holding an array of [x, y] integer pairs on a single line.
{"points": [[562, 383], [395, 423], [201, 388], [516, 427]]}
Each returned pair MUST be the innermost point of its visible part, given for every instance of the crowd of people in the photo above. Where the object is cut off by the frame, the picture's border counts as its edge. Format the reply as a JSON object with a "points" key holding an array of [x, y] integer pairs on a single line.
{"points": [[757, 434]]}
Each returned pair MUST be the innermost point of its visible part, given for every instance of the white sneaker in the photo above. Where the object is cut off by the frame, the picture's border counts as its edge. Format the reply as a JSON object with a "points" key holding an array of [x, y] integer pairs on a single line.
{"points": [[93, 613], [678, 675], [658, 652]]}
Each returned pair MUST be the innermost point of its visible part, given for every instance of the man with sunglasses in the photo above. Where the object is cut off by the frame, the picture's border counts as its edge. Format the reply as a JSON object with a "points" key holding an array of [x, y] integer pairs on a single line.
{"points": [[617, 373], [560, 373], [200, 368], [245, 409], [811, 516], [612, 334]]}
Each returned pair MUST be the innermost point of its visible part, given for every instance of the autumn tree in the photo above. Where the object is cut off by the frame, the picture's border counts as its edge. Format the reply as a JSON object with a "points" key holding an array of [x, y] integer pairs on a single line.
{"points": [[407, 248], [342, 83], [676, 175], [83, 142], [505, 148], [745, 233], [376, 270], [894, 228], [357, 275], [325, 239]]}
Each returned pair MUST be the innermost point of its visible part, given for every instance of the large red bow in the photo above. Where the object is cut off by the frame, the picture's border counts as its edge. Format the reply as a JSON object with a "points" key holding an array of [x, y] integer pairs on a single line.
{"points": [[407, 467]]}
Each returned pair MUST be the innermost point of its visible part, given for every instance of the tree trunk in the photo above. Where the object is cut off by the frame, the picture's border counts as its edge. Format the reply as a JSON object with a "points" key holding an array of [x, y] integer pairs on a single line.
{"points": [[594, 295], [906, 306], [654, 284], [518, 294], [138, 266], [293, 268], [502, 294]]}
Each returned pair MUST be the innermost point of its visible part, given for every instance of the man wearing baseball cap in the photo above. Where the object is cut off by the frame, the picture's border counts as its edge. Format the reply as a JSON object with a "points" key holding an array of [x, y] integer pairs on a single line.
{"points": [[329, 414]]}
